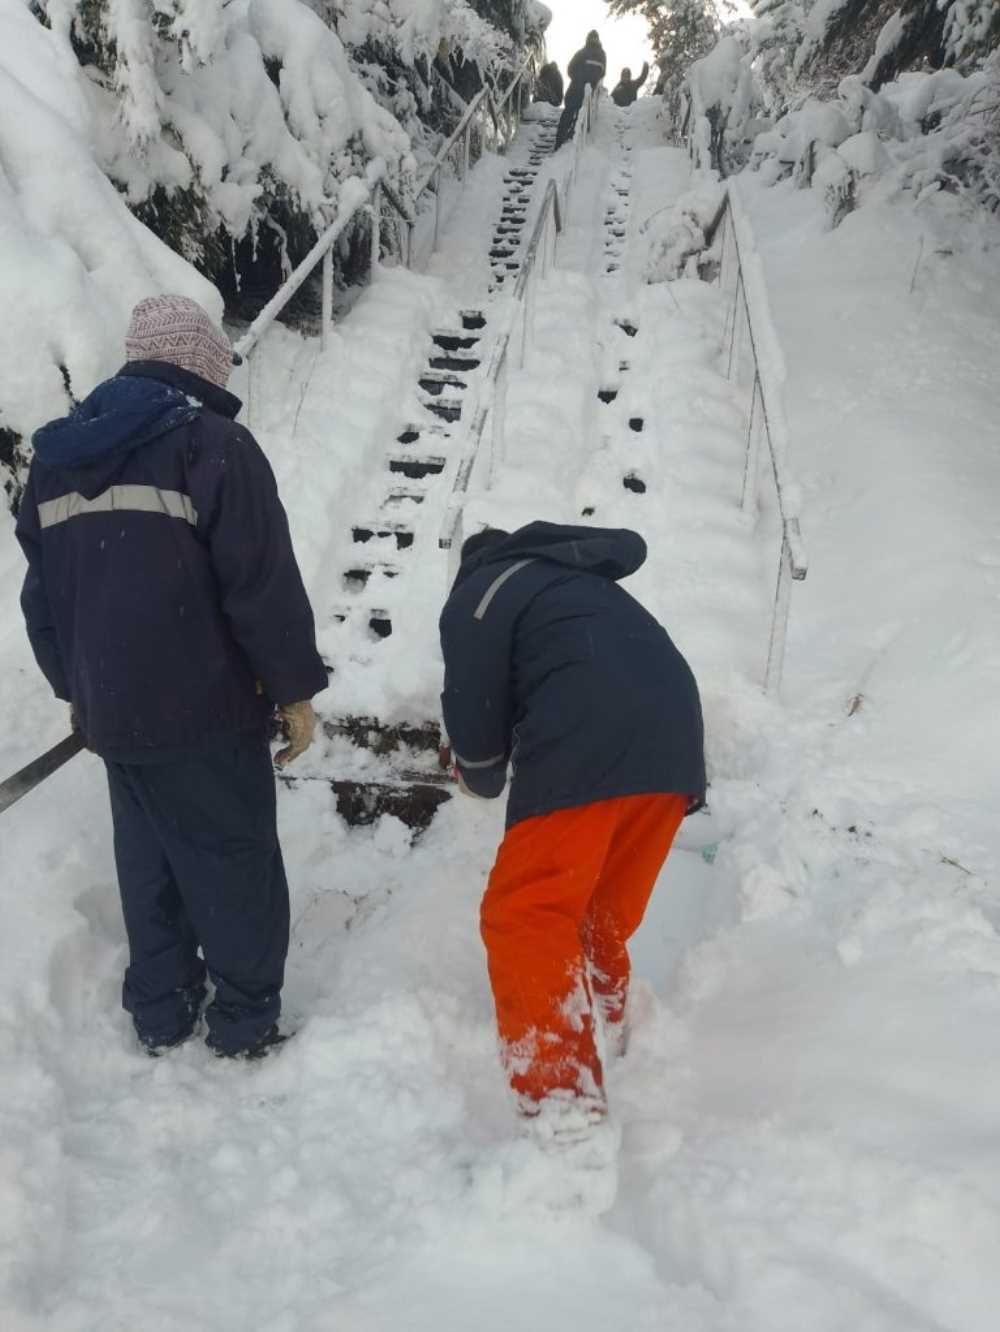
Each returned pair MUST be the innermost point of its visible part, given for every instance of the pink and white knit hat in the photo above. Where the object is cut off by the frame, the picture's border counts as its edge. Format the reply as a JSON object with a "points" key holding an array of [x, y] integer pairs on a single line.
{"points": [[177, 330]]}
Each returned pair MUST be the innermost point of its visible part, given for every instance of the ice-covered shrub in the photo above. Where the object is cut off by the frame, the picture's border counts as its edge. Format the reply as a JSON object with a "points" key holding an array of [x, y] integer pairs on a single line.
{"points": [[220, 118], [723, 102], [679, 235], [922, 134]]}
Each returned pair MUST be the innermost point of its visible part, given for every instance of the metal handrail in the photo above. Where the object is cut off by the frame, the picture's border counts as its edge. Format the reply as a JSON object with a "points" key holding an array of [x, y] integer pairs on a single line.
{"points": [[323, 247], [549, 225], [366, 197], [463, 132], [749, 316], [485, 94]]}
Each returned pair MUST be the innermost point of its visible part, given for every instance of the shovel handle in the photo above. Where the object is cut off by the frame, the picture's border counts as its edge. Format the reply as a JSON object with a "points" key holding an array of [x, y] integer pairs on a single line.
{"points": [[38, 770]]}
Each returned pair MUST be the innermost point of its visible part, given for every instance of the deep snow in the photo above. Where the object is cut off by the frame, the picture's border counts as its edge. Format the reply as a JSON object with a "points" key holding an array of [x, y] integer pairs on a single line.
{"points": [[809, 1109]]}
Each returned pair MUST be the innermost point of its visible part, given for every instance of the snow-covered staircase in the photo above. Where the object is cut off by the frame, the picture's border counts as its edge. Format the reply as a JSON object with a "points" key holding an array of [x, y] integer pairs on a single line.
{"points": [[378, 765], [506, 253]]}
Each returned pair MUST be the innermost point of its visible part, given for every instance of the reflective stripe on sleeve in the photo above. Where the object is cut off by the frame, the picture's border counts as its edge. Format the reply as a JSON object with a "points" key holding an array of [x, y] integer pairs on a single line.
{"points": [[497, 584], [119, 499], [483, 763]]}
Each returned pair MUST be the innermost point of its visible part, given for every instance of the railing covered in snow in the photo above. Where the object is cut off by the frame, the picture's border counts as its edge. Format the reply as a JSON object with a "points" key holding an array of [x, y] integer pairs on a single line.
{"points": [[489, 422], [755, 364], [493, 116]]}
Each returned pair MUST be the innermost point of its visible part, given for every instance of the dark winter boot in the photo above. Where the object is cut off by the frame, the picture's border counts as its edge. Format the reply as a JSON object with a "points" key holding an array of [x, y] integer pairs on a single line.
{"points": [[157, 1048], [267, 1044]]}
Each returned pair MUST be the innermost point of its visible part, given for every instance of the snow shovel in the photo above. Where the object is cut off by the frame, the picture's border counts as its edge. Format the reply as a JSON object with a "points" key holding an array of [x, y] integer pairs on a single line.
{"points": [[38, 770]]}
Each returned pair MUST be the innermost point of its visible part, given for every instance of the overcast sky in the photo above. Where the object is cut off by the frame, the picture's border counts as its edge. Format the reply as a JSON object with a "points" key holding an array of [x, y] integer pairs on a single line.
{"points": [[625, 39]]}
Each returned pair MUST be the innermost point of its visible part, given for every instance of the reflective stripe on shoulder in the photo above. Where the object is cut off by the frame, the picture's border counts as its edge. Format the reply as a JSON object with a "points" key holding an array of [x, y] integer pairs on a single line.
{"points": [[123, 499], [483, 763], [497, 584]]}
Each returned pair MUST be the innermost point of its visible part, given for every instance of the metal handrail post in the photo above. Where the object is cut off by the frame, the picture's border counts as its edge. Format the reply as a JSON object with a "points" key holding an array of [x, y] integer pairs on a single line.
{"points": [[738, 300], [779, 621], [376, 238], [529, 317], [324, 340], [437, 208], [497, 449], [250, 407], [751, 463]]}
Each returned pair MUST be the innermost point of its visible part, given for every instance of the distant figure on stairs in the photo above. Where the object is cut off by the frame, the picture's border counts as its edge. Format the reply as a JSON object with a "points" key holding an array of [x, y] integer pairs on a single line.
{"points": [[586, 69], [164, 603], [549, 85], [628, 89], [553, 669]]}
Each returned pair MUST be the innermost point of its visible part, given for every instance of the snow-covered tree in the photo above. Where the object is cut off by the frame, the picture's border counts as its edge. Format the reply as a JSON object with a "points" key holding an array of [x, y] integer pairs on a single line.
{"points": [[680, 32], [229, 128]]}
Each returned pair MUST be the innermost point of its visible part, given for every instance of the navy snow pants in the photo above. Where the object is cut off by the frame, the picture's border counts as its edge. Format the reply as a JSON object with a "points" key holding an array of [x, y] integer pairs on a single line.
{"points": [[196, 845], [567, 121]]}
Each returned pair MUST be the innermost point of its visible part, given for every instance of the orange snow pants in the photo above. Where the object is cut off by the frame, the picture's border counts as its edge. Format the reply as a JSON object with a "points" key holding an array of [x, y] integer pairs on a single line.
{"points": [[566, 894]]}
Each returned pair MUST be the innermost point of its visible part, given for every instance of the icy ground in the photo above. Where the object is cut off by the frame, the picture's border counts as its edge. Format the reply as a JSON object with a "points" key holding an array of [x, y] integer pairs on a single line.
{"points": [[810, 1107]]}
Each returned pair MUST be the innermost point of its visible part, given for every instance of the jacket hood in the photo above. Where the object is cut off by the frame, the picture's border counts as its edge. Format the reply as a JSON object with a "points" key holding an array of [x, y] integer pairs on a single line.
{"points": [[612, 553], [145, 400]]}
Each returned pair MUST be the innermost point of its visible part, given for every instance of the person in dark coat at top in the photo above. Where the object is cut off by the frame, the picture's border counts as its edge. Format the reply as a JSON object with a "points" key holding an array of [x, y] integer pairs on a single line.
{"points": [[628, 89], [549, 85], [554, 670], [587, 69], [164, 603]]}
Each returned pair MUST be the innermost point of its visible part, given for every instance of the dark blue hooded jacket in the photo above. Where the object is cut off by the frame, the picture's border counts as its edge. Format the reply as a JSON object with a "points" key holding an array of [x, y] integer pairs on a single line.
{"points": [[552, 667], [162, 597]]}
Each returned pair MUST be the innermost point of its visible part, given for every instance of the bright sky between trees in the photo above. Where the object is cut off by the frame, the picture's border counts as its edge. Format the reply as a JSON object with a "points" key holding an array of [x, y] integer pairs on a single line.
{"points": [[626, 40]]}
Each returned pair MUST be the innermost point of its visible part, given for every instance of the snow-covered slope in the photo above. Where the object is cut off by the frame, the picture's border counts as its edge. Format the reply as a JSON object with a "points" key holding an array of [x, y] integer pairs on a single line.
{"points": [[809, 1106], [73, 260]]}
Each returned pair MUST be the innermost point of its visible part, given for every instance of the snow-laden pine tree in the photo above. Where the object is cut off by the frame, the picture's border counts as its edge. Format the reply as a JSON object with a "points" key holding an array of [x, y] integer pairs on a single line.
{"points": [[680, 32], [229, 129]]}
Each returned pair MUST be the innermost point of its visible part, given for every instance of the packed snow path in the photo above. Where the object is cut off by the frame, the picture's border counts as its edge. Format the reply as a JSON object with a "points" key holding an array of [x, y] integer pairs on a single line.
{"points": [[809, 1107]]}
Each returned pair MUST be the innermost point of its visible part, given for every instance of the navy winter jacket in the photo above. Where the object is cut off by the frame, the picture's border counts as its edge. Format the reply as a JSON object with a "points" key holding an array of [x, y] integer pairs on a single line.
{"points": [[162, 596], [551, 666], [589, 65]]}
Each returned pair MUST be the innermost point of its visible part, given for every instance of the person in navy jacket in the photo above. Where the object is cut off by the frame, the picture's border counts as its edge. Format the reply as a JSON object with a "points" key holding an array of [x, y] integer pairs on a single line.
{"points": [[586, 69], [554, 671], [628, 89], [164, 603]]}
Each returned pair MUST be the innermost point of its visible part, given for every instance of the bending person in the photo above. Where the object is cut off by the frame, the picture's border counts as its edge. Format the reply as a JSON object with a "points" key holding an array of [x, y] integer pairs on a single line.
{"points": [[549, 85], [552, 667]]}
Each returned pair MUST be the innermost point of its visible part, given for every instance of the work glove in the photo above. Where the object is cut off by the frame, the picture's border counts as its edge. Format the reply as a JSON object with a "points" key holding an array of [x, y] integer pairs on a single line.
{"points": [[298, 721]]}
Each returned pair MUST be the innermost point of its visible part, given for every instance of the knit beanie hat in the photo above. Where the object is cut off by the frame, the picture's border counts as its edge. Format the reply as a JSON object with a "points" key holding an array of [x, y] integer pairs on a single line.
{"points": [[177, 330]]}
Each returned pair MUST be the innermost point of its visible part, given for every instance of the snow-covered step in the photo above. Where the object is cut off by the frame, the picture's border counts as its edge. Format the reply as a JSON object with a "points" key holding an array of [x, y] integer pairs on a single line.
{"points": [[400, 535], [413, 434], [439, 384], [401, 498], [380, 769], [364, 576], [458, 364], [417, 469], [448, 409]]}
